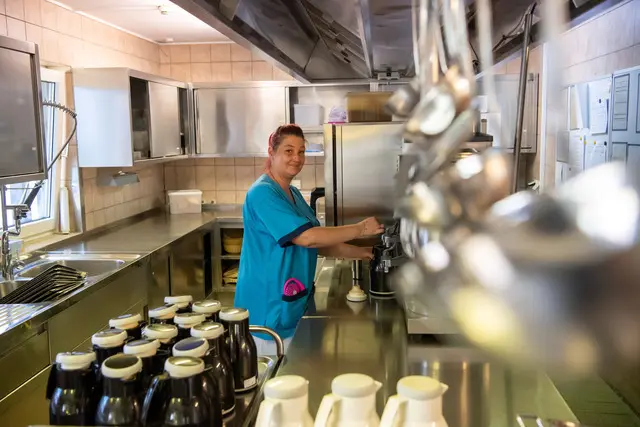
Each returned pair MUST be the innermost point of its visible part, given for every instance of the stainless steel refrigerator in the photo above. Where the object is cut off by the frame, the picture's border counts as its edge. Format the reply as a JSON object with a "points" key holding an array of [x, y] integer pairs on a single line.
{"points": [[361, 161]]}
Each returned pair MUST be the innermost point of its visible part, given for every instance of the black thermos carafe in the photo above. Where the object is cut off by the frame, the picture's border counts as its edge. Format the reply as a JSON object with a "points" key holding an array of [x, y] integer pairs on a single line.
{"points": [[107, 343], [132, 323], [152, 362], [163, 314], [178, 398], [217, 360], [198, 347], [182, 301], [70, 389], [209, 307], [242, 348], [186, 321], [119, 404], [164, 333]]}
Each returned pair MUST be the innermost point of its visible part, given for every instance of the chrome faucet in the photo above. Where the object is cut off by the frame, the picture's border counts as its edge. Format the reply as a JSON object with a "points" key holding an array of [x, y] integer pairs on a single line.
{"points": [[8, 263]]}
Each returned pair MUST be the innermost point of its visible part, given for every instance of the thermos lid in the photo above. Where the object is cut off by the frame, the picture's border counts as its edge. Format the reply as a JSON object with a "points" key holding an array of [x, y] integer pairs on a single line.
{"points": [[234, 314], [188, 320], [208, 330], [121, 366], [207, 306], [166, 311], [126, 321], [353, 385], [194, 347], [160, 331], [180, 300], [286, 387], [75, 360], [419, 387], [183, 366], [142, 348], [109, 338]]}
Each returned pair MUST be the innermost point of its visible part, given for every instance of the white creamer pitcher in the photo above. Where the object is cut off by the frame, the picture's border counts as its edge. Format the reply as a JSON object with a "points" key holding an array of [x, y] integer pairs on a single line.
{"points": [[417, 404], [286, 403], [351, 403]]}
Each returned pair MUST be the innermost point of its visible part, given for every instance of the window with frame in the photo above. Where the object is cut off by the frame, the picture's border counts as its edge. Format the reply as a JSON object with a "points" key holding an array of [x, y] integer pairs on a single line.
{"points": [[44, 211]]}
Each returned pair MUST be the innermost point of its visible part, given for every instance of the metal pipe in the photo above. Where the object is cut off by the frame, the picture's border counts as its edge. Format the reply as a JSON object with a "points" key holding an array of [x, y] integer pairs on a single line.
{"points": [[274, 335], [522, 91], [3, 207]]}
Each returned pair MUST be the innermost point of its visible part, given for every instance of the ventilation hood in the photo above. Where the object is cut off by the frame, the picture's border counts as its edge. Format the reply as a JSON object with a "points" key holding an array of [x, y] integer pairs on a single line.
{"points": [[332, 40], [318, 40]]}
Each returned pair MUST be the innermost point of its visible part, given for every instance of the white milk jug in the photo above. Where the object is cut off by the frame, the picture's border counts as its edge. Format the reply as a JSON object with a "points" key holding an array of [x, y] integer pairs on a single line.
{"points": [[351, 403], [286, 401], [417, 404]]}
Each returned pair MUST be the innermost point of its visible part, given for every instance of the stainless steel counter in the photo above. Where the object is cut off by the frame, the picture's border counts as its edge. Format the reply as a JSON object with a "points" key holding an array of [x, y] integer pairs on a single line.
{"points": [[337, 337], [141, 235]]}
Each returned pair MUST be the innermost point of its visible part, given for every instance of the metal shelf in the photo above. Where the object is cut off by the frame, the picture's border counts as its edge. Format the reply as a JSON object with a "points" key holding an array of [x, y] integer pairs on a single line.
{"points": [[313, 129]]}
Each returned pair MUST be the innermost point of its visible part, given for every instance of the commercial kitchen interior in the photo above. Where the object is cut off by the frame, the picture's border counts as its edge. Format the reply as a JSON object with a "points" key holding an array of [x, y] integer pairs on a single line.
{"points": [[116, 211]]}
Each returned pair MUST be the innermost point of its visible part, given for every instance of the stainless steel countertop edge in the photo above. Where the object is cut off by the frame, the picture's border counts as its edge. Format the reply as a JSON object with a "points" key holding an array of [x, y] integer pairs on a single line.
{"points": [[32, 323]]}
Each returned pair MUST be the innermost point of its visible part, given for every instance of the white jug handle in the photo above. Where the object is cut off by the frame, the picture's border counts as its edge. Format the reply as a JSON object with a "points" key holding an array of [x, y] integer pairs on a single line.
{"points": [[265, 413], [393, 406], [324, 411]]}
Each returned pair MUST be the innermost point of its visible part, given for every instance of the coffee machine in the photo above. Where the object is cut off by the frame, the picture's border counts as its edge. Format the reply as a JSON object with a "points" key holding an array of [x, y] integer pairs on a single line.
{"points": [[387, 257]]}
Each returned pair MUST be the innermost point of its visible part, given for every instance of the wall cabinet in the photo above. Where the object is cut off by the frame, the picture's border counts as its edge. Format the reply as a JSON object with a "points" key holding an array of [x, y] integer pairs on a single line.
{"points": [[126, 117], [21, 130], [238, 121]]}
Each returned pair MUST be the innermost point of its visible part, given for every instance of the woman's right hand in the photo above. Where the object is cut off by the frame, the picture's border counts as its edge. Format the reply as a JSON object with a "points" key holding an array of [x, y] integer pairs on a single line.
{"points": [[370, 227]]}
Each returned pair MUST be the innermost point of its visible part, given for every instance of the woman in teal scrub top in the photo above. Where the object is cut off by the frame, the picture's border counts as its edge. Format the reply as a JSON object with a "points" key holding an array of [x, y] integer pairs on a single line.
{"points": [[282, 240]]}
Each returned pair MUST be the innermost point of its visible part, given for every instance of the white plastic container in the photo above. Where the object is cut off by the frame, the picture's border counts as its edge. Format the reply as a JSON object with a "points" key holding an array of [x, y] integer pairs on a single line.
{"points": [[307, 115], [351, 403], [285, 403], [417, 404], [185, 201]]}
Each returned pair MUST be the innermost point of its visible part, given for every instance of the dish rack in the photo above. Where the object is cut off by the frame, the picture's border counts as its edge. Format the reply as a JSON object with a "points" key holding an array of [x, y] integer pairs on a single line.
{"points": [[524, 420], [52, 284]]}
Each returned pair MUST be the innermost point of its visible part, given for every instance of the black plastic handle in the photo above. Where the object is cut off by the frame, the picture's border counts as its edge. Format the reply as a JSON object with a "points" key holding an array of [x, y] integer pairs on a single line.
{"points": [[154, 399], [316, 193]]}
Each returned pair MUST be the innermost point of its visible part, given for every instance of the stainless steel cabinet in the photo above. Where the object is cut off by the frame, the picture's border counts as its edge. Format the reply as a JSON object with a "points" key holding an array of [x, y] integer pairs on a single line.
{"points": [[187, 267], [238, 121], [360, 165], [21, 135], [164, 120], [125, 117]]}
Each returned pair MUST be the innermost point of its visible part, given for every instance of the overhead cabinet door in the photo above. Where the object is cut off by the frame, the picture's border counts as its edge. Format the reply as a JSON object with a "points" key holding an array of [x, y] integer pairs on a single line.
{"points": [[238, 121], [164, 111]]}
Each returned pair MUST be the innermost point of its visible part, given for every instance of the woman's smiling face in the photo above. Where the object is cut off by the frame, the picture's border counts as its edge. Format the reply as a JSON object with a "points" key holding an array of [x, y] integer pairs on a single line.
{"points": [[288, 158]]}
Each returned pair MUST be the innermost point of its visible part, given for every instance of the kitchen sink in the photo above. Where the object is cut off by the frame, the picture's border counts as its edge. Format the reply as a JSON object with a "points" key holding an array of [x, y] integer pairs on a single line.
{"points": [[8, 286], [93, 264]]}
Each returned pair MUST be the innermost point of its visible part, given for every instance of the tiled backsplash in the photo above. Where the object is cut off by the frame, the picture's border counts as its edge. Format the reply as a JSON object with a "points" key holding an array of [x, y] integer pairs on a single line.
{"points": [[104, 205], [226, 180], [221, 62]]}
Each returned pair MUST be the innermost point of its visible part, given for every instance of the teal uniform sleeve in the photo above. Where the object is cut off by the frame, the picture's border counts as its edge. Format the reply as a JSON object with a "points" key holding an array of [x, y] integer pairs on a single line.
{"points": [[278, 215]]}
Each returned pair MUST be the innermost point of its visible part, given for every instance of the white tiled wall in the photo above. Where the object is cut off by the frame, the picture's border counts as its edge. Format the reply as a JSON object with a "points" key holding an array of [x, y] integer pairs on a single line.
{"points": [[103, 205], [226, 180], [220, 62]]}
